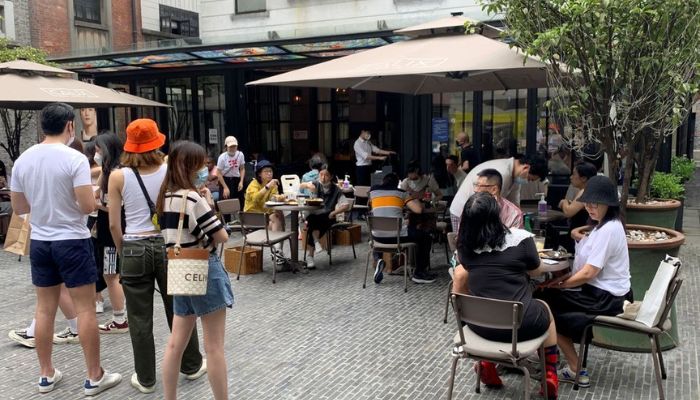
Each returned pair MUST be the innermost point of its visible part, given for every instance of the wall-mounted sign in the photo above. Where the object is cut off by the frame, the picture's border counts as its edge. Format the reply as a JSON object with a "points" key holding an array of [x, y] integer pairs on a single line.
{"points": [[213, 136]]}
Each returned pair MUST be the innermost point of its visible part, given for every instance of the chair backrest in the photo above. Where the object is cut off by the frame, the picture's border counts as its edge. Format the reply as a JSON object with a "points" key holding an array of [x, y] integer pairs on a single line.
{"points": [[488, 313], [229, 206], [290, 184], [251, 221], [673, 288], [362, 191], [392, 224]]}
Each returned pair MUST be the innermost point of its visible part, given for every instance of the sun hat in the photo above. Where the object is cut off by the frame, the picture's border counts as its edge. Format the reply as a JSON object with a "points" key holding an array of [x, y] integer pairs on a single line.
{"points": [[231, 141], [142, 136], [262, 164], [600, 189]]}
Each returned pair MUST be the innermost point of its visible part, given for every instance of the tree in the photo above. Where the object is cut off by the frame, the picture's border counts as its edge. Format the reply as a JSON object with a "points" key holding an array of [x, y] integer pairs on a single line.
{"points": [[14, 122], [624, 71]]}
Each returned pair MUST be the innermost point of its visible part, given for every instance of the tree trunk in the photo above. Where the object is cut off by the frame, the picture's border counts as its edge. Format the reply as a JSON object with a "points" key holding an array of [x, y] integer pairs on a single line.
{"points": [[651, 150]]}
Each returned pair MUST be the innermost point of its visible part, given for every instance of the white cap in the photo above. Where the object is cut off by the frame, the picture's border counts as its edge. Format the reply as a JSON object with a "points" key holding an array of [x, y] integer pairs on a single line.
{"points": [[231, 141]]}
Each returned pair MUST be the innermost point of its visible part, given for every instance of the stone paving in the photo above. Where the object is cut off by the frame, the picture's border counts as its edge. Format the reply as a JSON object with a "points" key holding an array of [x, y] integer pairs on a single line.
{"points": [[321, 336]]}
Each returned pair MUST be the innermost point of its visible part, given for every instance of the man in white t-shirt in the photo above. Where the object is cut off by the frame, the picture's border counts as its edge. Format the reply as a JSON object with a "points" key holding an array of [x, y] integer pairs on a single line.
{"points": [[365, 153], [52, 182], [231, 171], [514, 171]]}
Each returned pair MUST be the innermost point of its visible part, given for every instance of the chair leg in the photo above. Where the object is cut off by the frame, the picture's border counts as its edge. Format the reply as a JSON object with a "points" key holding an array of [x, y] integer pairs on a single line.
{"points": [[405, 270], [657, 370], [526, 383], [369, 254], [661, 357], [543, 365], [447, 251], [306, 244], [352, 243], [328, 247], [240, 260], [447, 303], [477, 389], [455, 360]]}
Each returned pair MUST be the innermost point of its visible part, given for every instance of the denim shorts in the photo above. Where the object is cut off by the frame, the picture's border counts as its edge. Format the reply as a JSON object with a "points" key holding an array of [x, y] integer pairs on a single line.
{"points": [[219, 293], [63, 261]]}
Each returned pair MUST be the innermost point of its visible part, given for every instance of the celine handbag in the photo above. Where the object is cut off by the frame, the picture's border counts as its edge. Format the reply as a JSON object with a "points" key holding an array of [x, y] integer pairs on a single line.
{"points": [[188, 268]]}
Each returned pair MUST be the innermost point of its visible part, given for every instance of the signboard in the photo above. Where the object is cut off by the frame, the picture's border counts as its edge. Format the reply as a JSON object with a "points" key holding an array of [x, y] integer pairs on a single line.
{"points": [[441, 133], [213, 136]]}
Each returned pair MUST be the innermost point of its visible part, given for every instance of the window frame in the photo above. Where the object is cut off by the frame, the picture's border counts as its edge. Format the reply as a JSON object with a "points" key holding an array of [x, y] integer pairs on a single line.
{"points": [[187, 21], [258, 10], [86, 5]]}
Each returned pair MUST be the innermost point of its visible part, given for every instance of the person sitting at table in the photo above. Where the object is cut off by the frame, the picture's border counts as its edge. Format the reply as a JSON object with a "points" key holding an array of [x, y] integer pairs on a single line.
{"points": [[490, 181], [600, 274], [417, 184], [496, 262], [320, 221], [387, 200], [455, 177], [315, 163], [574, 209], [261, 190]]}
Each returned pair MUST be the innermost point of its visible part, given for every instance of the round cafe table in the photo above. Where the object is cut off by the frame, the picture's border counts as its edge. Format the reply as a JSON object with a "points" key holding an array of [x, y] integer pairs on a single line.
{"points": [[294, 212]]}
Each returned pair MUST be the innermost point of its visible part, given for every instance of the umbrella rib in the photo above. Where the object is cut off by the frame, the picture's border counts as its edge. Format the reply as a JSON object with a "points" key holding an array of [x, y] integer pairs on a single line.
{"points": [[362, 82], [498, 78], [415, 92]]}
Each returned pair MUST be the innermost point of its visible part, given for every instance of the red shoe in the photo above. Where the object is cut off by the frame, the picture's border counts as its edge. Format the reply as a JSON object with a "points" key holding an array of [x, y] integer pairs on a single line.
{"points": [[489, 375], [552, 385]]}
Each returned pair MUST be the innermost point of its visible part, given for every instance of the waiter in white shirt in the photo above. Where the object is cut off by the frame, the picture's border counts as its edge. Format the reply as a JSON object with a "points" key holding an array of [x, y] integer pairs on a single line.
{"points": [[365, 153]]}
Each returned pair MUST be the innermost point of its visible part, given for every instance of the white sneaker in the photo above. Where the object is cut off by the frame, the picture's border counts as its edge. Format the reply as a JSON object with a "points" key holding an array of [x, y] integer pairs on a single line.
{"points": [[47, 384], [65, 336], [108, 380], [201, 371], [310, 264], [319, 249], [143, 389], [99, 307]]}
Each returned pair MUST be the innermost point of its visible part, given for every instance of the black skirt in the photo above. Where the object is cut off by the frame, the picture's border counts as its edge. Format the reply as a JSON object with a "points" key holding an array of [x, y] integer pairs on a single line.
{"points": [[535, 324], [574, 310]]}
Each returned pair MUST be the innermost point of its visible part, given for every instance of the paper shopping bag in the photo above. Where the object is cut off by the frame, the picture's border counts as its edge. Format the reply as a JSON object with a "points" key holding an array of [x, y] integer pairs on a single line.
{"points": [[655, 298], [17, 239]]}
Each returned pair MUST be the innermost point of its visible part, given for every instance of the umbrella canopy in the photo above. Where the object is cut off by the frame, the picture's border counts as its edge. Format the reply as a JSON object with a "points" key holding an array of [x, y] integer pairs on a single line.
{"points": [[435, 64], [30, 86], [432, 27]]}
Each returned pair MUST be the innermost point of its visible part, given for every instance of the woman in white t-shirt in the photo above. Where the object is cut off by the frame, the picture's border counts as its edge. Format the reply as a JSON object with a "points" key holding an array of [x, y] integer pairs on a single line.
{"points": [[600, 279]]}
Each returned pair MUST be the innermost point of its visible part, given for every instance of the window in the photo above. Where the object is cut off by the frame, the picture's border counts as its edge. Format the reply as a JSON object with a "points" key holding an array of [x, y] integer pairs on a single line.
{"points": [[88, 11], [179, 22], [250, 6], [2, 19]]}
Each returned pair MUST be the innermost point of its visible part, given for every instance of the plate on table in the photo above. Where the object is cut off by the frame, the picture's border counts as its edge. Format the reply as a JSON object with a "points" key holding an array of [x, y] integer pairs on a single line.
{"points": [[274, 203], [554, 254]]}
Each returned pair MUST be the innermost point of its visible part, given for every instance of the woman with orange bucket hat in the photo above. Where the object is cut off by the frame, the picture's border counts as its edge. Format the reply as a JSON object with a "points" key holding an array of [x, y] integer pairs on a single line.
{"points": [[141, 249]]}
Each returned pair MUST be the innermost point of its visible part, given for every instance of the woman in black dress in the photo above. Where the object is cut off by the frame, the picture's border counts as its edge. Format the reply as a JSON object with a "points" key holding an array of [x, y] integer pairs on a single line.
{"points": [[497, 262]]}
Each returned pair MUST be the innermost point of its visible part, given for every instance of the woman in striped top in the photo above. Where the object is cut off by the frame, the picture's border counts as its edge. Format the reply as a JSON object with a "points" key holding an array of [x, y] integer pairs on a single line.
{"points": [[186, 172]]}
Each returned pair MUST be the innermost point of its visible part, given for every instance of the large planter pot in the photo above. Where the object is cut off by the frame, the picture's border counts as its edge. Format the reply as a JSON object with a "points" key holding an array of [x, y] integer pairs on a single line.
{"points": [[644, 261], [654, 214]]}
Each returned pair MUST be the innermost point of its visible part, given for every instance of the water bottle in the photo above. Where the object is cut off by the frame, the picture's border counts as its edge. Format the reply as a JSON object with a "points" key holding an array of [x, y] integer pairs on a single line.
{"points": [[346, 182], [541, 205], [527, 223]]}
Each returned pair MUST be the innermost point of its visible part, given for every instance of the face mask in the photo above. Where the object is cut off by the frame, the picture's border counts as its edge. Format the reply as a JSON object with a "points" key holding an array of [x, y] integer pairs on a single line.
{"points": [[98, 159], [520, 181], [201, 177]]}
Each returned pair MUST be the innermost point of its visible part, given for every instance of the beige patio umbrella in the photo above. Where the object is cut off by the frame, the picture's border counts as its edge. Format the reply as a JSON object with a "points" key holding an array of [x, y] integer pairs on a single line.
{"points": [[428, 64], [30, 86]]}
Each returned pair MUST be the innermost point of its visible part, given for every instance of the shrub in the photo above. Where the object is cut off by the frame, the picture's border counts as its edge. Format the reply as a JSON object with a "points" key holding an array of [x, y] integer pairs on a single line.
{"points": [[683, 168], [666, 186]]}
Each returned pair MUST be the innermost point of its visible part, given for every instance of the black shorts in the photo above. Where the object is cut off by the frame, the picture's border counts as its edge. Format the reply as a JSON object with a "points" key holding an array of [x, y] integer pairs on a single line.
{"points": [[63, 261]]}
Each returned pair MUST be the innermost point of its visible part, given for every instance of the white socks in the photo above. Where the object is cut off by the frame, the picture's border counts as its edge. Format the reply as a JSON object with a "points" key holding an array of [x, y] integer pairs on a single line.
{"points": [[73, 324], [119, 316], [30, 328]]}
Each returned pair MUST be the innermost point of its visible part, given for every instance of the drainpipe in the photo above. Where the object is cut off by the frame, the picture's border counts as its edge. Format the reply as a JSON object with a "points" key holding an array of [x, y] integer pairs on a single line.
{"points": [[134, 32]]}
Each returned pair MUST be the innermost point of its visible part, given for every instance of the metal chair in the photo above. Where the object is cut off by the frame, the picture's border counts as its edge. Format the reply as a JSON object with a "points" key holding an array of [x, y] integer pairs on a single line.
{"points": [[231, 208], [391, 224], [361, 198], [497, 314], [452, 243], [257, 233], [664, 325], [338, 226]]}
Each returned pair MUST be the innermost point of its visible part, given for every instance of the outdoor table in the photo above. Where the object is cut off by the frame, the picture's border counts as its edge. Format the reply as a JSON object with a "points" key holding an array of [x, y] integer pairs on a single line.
{"points": [[541, 221], [294, 212]]}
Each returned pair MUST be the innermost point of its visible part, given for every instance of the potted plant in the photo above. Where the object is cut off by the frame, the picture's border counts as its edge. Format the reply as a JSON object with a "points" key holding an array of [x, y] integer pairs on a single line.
{"points": [[665, 207], [683, 167]]}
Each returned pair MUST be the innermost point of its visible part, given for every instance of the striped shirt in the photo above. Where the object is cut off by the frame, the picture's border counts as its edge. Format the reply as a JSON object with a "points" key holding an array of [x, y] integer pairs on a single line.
{"points": [[200, 222], [388, 202]]}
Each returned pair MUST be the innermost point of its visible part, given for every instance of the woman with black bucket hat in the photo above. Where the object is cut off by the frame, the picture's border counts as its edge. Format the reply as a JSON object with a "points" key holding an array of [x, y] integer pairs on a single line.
{"points": [[600, 279]]}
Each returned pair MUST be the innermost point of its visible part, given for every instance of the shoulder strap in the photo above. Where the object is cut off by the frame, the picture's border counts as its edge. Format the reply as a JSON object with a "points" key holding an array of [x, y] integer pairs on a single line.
{"points": [[181, 220], [151, 206]]}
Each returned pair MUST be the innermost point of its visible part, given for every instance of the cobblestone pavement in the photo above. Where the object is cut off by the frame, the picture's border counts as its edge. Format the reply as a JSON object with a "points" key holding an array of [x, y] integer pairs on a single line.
{"points": [[321, 336]]}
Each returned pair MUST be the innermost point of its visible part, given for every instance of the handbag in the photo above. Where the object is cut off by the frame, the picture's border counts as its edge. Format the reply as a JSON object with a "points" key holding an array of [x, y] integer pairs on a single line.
{"points": [[188, 268], [17, 238]]}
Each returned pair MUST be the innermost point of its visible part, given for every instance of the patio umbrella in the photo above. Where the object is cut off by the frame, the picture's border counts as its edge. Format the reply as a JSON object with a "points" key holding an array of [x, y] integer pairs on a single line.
{"points": [[30, 86], [428, 64]]}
